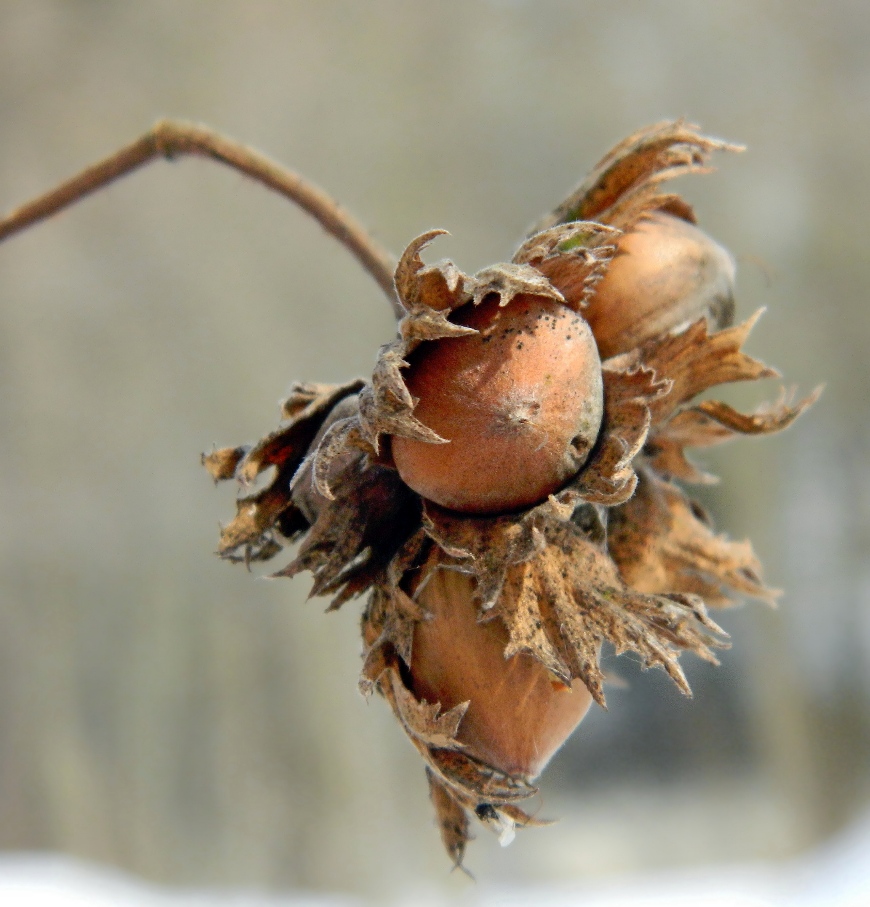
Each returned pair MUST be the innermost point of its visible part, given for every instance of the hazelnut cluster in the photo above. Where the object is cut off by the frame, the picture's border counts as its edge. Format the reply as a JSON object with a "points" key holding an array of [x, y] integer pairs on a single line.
{"points": [[508, 486]]}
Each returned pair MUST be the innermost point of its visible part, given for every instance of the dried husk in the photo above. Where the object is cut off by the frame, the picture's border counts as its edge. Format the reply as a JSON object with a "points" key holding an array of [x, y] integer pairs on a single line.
{"points": [[619, 554]]}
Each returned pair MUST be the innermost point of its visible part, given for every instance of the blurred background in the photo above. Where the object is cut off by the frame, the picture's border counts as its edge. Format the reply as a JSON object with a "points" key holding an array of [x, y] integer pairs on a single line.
{"points": [[169, 714]]}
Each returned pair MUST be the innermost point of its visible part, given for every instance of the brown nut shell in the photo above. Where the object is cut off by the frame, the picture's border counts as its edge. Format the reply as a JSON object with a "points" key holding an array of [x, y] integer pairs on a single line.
{"points": [[520, 403], [518, 715], [666, 272]]}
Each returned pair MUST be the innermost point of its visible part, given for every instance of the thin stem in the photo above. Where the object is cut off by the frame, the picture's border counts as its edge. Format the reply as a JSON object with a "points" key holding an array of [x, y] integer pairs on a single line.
{"points": [[170, 139]]}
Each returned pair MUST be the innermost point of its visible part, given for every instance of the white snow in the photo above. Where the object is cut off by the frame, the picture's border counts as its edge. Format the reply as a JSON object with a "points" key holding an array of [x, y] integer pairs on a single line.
{"points": [[38, 880], [835, 875]]}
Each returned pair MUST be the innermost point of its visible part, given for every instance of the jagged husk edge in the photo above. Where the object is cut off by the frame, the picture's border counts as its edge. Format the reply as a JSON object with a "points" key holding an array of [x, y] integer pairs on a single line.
{"points": [[696, 360], [626, 182], [268, 518], [662, 541]]}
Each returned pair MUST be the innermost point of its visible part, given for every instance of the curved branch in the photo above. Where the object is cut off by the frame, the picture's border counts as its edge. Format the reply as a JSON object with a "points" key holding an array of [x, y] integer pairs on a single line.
{"points": [[169, 139]]}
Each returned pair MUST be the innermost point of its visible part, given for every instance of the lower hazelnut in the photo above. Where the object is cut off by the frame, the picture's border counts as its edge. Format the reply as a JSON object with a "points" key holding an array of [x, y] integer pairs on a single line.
{"points": [[518, 714]]}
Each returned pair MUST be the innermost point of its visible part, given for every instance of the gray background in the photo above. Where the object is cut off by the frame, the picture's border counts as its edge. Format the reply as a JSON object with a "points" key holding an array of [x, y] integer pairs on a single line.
{"points": [[169, 714]]}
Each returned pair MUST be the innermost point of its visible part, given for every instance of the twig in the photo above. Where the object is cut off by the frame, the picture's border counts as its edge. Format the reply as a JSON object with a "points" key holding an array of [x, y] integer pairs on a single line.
{"points": [[168, 139]]}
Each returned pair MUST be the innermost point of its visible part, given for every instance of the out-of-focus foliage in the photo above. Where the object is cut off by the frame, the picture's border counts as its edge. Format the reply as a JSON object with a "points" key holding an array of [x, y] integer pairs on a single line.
{"points": [[164, 712]]}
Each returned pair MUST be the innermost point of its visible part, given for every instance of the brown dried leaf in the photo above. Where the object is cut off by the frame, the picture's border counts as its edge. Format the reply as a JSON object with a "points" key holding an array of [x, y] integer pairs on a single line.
{"points": [[640, 201], [451, 810], [765, 420], [261, 549], [712, 422], [451, 817], [424, 721], [429, 324], [669, 459], [560, 596], [428, 295], [359, 529], [266, 519], [377, 656], [442, 286], [696, 360], [222, 463], [386, 406], [251, 528], [635, 205], [522, 613], [569, 599], [388, 387], [309, 398], [635, 168], [334, 444], [439, 289], [393, 615], [409, 266], [412, 552], [663, 542], [573, 257], [581, 239], [377, 419], [306, 409], [608, 477], [483, 546], [509, 280], [469, 780], [427, 291], [479, 782]]}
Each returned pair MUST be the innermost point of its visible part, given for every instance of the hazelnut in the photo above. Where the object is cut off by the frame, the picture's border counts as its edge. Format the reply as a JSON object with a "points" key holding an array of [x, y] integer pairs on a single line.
{"points": [[518, 715], [666, 272], [520, 403]]}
